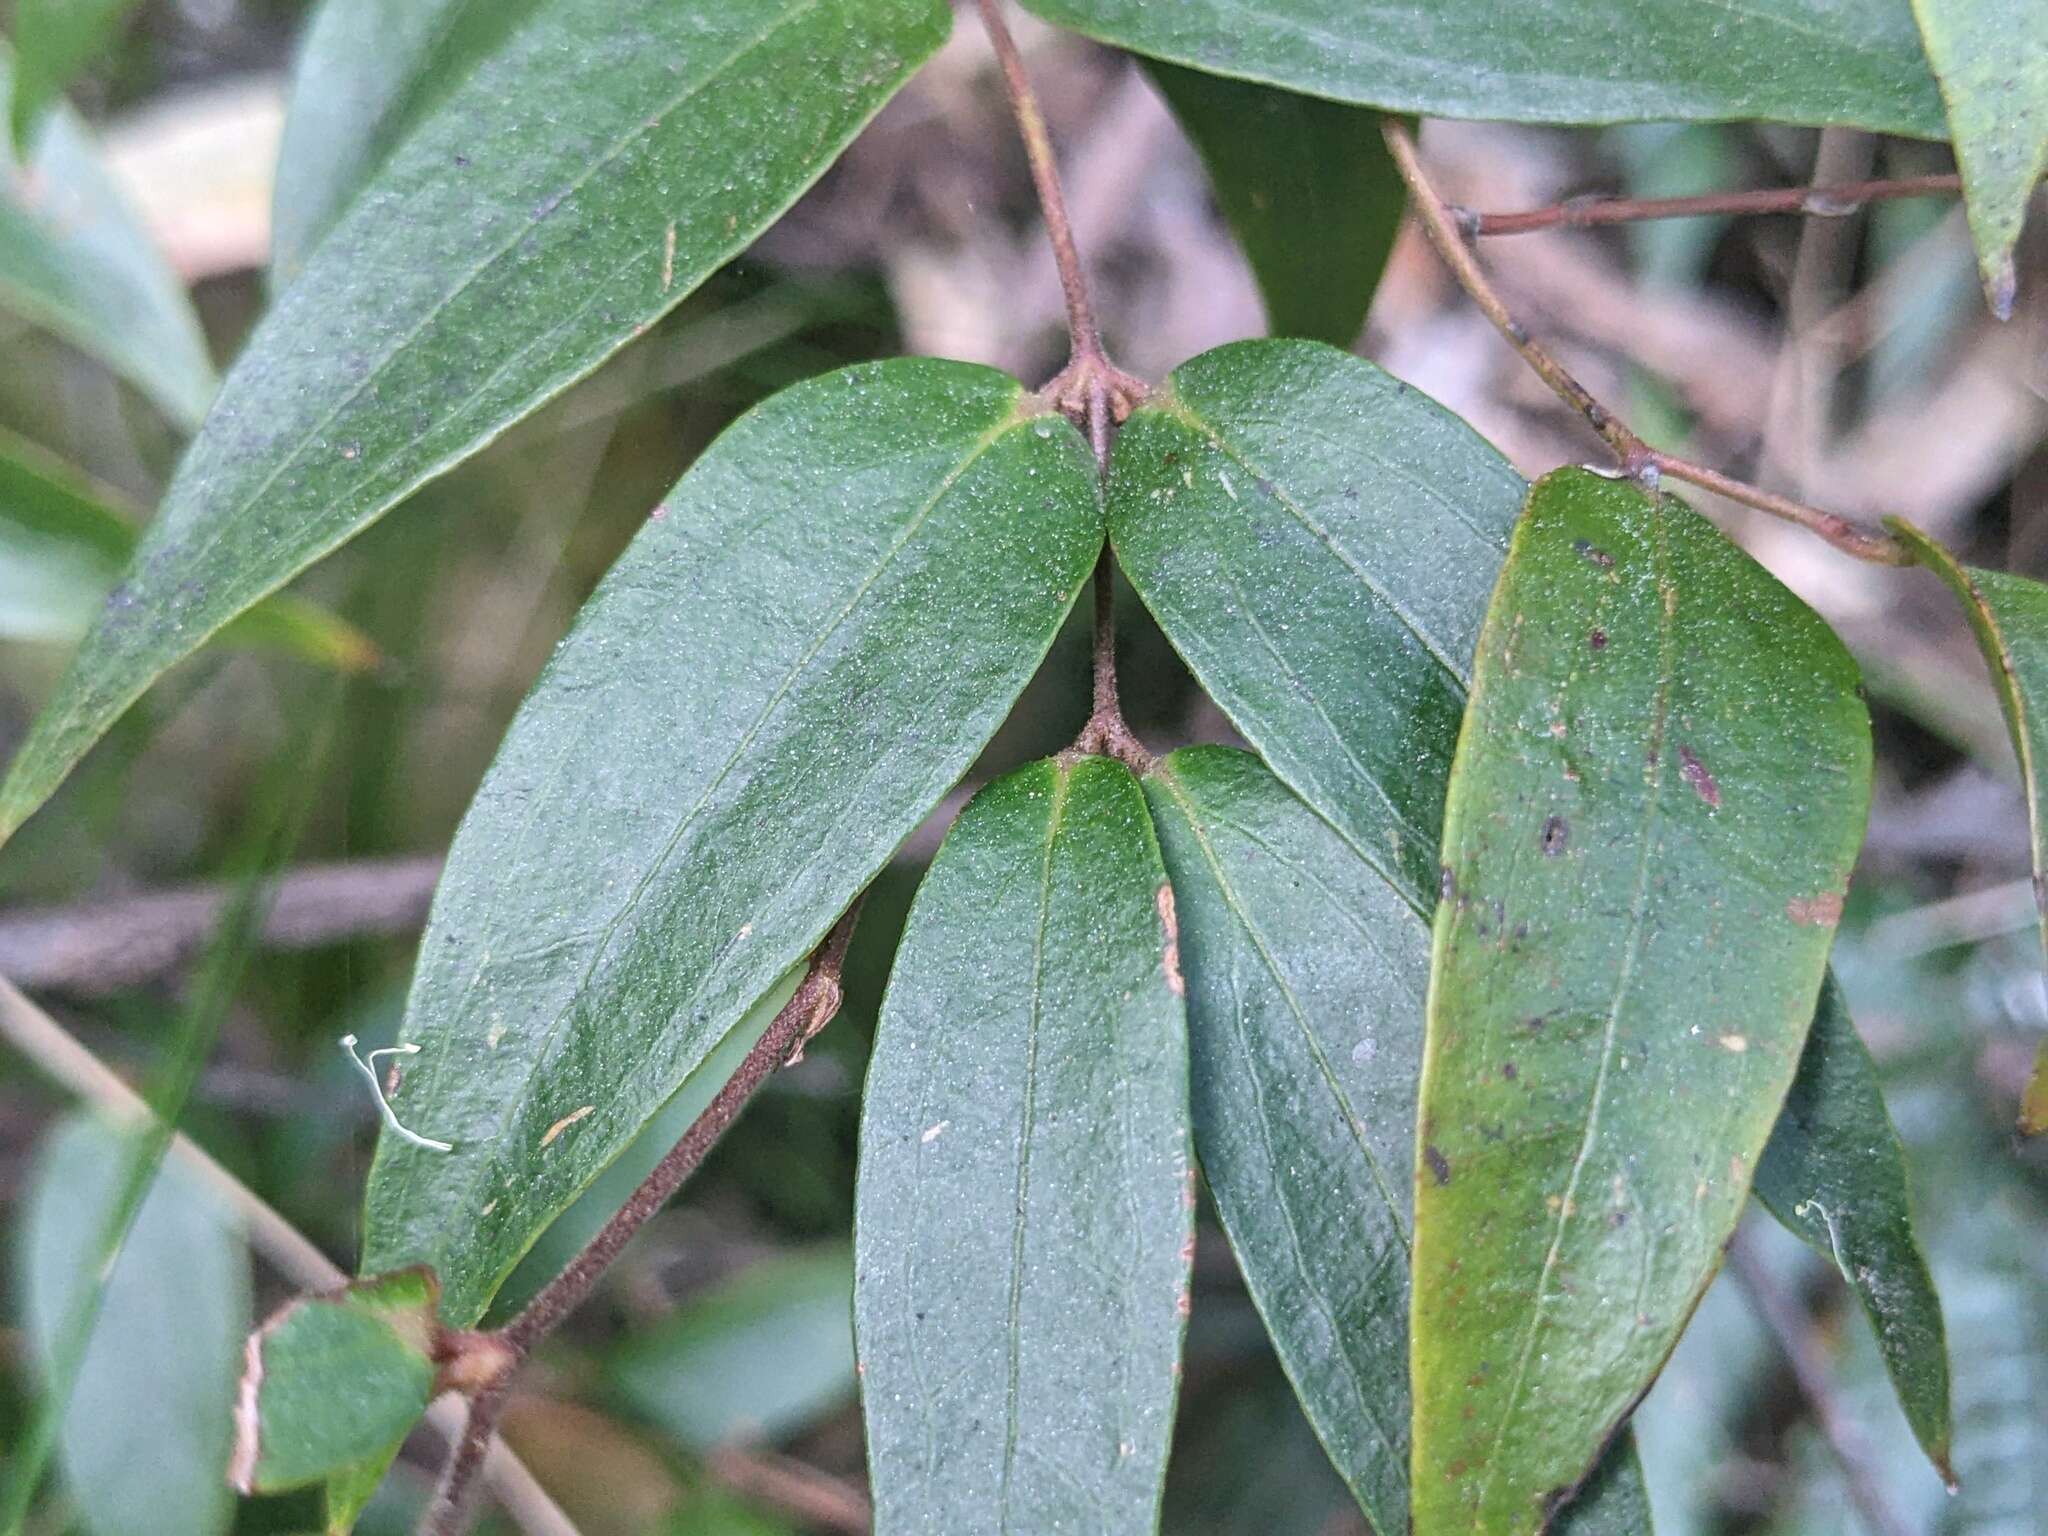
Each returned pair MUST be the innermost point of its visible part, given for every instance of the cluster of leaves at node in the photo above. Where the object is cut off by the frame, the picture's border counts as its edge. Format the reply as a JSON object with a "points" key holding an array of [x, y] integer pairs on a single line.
{"points": [[1482, 990]]}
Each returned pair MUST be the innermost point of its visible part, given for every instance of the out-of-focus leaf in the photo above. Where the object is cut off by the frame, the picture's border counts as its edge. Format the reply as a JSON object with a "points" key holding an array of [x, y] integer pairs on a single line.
{"points": [[1026, 1201], [145, 1435], [54, 40], [63, 541], [1317, 539], [74, 261], [797, 657], [1308, 188], [1530, 61], [1998, 1314], [1834, 1173], [760, 1358], [333, 1382], [366, 71], [574, 187], [1659, 791], [1991, 58], [2009, 615]]}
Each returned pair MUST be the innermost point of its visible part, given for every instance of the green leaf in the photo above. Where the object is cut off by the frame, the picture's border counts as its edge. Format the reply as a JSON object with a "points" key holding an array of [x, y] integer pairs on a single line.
{"points": [[1834, 1173], [64, 539], [797, 657], [573, 188], [75, 261], [145, 1434], [1659, 791], [1530, 61], [1308, 188], [367, 71], [1317, 539], [1306, 976], [335, 1381], [349, 1491], [55, 40], [762, 1357], [1025, 1216], [1991, 58]]}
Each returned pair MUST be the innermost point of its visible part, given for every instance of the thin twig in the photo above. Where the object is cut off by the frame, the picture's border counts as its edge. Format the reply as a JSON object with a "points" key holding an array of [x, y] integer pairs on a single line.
{"points": [[793, 1487], [1091, 390], [1638, 458], [46, 1043], [1794, 1333], [92, 948], [809, 1010], [1106, 733], [1826, 202]]}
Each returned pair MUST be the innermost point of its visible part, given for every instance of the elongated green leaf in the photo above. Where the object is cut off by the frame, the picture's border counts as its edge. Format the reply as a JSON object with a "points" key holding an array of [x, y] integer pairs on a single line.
{"points": [[75, 261], [2009, 615], [1025, 1214], [760, 1358], [1306, 975], [1659, 791], [367, 71], [145, 1434], [332, 1384], [63, 541], [1317, 540], [1834, 1173], [55, 40], [1796, 61], [1308, 188], [574, 187], [798, 656], [1992, 61]]}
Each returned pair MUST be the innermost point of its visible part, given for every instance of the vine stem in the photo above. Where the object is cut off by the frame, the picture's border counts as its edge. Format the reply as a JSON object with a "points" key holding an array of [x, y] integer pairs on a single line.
{"points": [[813, 1006], [1090, 391], [1832, 201], [1638, 459]]}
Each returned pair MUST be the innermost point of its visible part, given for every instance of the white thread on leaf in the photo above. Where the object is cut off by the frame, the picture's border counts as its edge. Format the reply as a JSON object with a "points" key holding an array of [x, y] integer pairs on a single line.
{"points": [[1834, 1236], [367, 1065]]}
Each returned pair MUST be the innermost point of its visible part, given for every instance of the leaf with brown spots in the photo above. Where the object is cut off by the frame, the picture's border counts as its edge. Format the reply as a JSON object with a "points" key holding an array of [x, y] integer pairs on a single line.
{"points": [[1653, 940]]}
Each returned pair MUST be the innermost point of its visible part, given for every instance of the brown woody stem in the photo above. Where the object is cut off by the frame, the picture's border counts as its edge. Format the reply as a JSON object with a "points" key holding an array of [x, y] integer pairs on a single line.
{"points": [[1106, 734], [813, 1006], [1638, 459], [1832, 201]]}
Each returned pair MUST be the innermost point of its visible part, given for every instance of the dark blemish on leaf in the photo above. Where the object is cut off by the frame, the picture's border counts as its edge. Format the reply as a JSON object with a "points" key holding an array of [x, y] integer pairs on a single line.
{"points": [[1694, 772], [1592, 552], [461, 162], [1439, 1168], [1509, 1071], [1617, 1218], [1556, 833], [1598, 639], [1267, 488]]}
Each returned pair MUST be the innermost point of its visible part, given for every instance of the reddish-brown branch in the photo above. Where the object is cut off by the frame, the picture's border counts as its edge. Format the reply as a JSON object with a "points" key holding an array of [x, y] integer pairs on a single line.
{"points": [[1637, 457], [812, 1007], [1833, 201], [1106, 733]]}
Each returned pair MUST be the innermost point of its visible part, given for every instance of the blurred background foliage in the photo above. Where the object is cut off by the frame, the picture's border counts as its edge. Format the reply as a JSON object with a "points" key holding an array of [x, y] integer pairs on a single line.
{"points": [[710, 1390]]}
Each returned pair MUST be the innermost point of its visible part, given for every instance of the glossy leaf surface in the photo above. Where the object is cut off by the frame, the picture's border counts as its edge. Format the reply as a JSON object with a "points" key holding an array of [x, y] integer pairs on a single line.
{"points": [[63, 542], [366, 71], [1317, 539], [574, 187], [145, 1434], [1660, 788], [1025, 1214], [1991, 58], [1834, 1173], [1798, 61], [1309, 191], [794, 661], [332, 1382], [1306, 975], [761, 1357], [75, 261]]}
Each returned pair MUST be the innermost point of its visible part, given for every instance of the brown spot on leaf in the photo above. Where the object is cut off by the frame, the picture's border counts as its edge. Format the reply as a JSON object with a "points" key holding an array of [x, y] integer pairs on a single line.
{"points": [[1170, 961], [1556, 833], [1439, 1165], [1694, 772], [565, 1122], [1598, 639], [1509, 1071], [1594, 553], [1822, 911]]}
